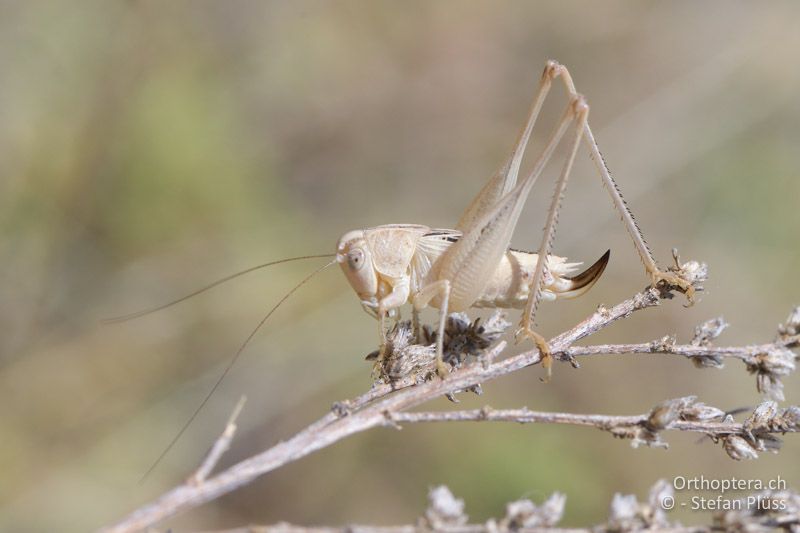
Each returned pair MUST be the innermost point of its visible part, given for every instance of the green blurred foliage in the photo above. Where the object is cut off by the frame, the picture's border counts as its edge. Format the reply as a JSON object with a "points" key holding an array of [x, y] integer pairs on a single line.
{"points": [[147, 148]]}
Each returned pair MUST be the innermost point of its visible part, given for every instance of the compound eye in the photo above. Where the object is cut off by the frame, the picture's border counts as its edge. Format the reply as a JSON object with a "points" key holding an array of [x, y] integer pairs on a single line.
{"points": [[355, 259]]}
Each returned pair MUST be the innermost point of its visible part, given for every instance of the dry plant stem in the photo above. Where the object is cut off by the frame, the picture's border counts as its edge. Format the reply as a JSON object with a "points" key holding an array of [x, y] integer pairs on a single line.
{"points": [[332, 428], [466, 528], [446, 513], [221, 445], [744, 353], [605, 422]]}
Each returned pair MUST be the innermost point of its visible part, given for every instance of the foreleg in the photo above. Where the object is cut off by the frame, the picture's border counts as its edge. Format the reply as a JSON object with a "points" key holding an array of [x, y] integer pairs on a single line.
{"points": [[421, 300], [399, 296]]}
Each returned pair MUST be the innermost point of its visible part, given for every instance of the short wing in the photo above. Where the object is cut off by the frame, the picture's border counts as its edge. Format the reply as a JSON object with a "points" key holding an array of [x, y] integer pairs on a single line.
{"points": [[437, 241], [430, 247]]}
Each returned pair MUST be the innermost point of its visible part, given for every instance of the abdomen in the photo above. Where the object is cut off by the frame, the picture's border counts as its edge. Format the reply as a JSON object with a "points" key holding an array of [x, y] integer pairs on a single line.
{"points": [[509, 286]]}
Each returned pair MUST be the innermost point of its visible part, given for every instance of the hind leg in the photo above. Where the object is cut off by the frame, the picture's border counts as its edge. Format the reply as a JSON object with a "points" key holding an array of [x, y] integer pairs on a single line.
{"points": [[656, 275], [581, 110]]}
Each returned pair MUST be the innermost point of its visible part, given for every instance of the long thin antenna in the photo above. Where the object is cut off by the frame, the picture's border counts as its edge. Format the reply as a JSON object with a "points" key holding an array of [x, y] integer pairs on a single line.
{"points": [[230, 365], [220, 281]]}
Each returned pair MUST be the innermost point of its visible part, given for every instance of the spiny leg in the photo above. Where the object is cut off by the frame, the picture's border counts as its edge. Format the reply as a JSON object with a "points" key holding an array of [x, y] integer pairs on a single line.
{"points": [[415, 325], [581, 111], [657, 275], [506, 176], [421, 300], [469, 263], [377, 368], [389, 306]]}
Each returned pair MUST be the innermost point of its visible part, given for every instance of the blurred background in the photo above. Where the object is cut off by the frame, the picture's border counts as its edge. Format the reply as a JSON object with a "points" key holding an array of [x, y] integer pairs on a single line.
{"points": [[147, 148]]}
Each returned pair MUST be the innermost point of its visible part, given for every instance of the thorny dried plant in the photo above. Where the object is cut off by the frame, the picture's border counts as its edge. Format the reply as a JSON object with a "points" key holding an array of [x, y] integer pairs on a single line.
{"points": [[760, 511], [407, 378], [463, 338], [445, 512]]}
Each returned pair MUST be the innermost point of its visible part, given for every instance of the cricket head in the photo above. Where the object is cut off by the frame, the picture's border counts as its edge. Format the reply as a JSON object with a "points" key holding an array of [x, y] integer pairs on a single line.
{"points": [[355, 259]]}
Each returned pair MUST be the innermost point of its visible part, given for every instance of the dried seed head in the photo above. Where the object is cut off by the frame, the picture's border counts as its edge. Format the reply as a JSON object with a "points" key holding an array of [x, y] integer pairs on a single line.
{"points": [[788, 419], [769, 367], [402, 358], [462, 338], [622, 515], [628, 514], [738, 448], [659, 493], [444, 509], [692, 272], [792, 325], [768, 442], [707, 361], [411, 360], [665, 413], [761, 418], [757, 427], [526, 514], [763, 511], [779, 361], [770, 386], [708, 331], [518, 514], [663, 344], [700, 412], [552, 510], [639, 436], [645, 437], [645, 299]]}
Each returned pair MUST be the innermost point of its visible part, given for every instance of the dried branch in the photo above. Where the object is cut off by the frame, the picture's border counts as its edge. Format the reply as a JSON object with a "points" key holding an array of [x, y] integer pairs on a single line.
{"points": [[740, 440], [221, 445], [769, 361], [370, 412], [760, 511], [666, 345], [387, 402]]}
